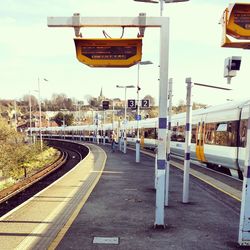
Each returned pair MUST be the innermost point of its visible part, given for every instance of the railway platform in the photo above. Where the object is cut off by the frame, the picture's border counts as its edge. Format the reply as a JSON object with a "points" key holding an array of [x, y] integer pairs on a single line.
{"points": [[119, 213]]}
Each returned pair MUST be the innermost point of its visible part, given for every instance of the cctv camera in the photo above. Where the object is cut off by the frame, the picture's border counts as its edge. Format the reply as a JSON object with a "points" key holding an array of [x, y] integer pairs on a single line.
{"points": [[235, 63], [231, 65]]}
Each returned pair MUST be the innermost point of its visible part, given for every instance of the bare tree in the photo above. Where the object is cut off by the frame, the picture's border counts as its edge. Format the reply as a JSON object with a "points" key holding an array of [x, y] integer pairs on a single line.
{"points": [[150, 98]]}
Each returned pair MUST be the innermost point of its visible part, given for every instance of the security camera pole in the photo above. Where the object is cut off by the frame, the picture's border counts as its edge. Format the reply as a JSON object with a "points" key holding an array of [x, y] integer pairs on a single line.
{"points": [[188, 132], [231, 28], [168, 140]]}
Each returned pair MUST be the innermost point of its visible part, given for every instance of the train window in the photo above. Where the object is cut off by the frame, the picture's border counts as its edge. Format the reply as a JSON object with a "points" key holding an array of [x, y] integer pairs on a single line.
{"points": [[210, 133], [173, 133], [193, 134], [180, 134], [131, 133], [222, 127], [223, 134], [150, 133], [243, 133]]}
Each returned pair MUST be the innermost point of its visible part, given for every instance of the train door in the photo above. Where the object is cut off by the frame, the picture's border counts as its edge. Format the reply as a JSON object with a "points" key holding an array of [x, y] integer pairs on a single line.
{"points": [[200, 134]]}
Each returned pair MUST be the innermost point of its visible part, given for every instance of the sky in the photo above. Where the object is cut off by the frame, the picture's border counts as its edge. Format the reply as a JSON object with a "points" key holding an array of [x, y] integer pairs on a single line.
{"points": [[30, 50]]}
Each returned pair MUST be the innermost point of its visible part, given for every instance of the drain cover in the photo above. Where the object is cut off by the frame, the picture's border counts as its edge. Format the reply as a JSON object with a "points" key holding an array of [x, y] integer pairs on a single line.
{"points": [[106, 240]]}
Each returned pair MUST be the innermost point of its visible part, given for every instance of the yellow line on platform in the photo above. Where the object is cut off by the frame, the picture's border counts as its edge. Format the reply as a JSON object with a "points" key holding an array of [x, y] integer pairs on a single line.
{"points": [[198, 176], [193, 172], [68, 224]]}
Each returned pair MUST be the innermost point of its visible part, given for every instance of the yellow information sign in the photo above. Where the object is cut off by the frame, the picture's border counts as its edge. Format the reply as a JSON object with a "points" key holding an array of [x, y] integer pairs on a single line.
{"points": [[236, 26], [108, 52]]}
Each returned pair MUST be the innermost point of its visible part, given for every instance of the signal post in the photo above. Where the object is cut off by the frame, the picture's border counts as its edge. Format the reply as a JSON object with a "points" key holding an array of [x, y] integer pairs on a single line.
{"points": [[236, 25], [142, 22]]}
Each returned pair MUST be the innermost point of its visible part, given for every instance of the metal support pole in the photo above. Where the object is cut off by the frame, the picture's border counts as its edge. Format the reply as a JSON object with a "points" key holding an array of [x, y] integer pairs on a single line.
{"points": [[120, 135], [103, 127], [156, 170], [162, 125], [63, 127], [168, 141], [93, 122], [244, 228], [97, 129], [185, 196], [125, 125], [40, 114], [137, 145], [30, 117], [15, 117], [113, 116], [161, 7]]}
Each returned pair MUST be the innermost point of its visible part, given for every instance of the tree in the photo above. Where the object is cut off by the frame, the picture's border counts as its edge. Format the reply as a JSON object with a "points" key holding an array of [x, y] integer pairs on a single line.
{"points": [[14, 153], [58, 118], [66, 119], [151, 99], [69, 119], [32, 98], [88, 98]]}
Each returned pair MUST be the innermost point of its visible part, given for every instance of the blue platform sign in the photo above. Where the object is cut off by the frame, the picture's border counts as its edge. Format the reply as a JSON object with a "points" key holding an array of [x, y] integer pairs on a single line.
{"points": [[137, 117]]}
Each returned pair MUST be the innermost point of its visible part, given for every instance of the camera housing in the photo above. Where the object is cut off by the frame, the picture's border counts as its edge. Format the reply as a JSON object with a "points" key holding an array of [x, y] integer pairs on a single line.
{"points": [[231, 66]]}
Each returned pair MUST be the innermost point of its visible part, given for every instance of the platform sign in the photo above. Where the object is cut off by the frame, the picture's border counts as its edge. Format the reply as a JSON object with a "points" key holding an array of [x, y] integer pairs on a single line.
{"points": [[137, 117], [131, 103], [238, 24], [145, 103], [107, 52], [105, 104]]}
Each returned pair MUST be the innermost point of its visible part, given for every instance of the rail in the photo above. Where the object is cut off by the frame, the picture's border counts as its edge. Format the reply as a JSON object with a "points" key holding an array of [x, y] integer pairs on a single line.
{"points": [[18, 187]]}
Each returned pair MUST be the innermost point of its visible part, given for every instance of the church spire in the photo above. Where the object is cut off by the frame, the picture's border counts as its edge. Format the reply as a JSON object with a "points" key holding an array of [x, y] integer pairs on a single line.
{"points": [[101, 93]]}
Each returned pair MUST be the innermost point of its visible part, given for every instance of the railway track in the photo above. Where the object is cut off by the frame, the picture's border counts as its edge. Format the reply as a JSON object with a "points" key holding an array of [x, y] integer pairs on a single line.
{"points": [[20, 192], [222, 182]]}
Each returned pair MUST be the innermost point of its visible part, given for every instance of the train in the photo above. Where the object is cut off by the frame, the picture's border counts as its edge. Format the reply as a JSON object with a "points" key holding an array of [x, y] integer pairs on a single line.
{"points": [[218, 135]]}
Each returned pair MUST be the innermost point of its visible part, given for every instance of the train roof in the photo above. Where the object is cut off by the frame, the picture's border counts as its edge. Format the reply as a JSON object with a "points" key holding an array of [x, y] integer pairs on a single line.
{"points": [[152, 122]]}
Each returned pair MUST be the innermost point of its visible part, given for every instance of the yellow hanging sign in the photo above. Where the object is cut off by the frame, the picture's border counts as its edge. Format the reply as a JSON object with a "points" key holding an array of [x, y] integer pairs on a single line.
{"points": [[236, 24], [109, 52]]}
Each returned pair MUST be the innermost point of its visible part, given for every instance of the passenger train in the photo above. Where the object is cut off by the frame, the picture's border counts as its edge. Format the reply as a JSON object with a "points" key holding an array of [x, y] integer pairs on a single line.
{"points": [[218, 136]]}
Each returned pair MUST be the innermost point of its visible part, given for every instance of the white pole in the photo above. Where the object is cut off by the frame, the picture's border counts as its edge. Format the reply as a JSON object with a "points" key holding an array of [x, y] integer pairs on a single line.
{"points": [[15, 117], [244, 228], [103, 127], [162, 125], [63, 126], [168, 142], [137, 145], [113, 116], [161, 7], [185, 196], [156, 170], [40, 114], [125, 124], [97, 129], [30, 117]]}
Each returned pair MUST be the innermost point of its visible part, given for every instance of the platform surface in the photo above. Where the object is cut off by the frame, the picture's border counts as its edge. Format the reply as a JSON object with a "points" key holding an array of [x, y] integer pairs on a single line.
{"points": [[120, 212]]}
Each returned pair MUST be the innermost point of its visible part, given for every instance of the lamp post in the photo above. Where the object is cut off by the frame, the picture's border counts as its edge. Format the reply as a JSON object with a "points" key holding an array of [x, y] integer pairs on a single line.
{"points": [[161, 155], [30, 116], [40, 111], [15, 116], [125, 116], [63, 110], [161, 2], [113, 114], [137, 145]]}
